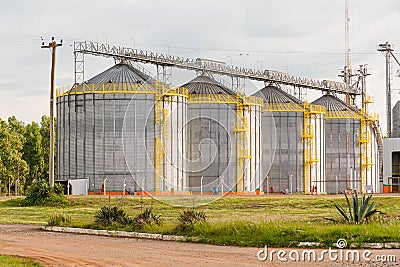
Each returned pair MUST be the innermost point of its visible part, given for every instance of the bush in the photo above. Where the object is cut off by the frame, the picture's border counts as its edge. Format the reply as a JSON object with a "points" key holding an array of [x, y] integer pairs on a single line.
{"points": [[40, 194], [107, 215], [147, 217], [59, 189], [189, 218], [58, 219], [38, 191]]}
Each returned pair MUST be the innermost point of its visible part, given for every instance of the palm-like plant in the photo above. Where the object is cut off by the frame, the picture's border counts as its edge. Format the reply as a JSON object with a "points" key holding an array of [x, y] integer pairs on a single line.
{"points": [[359, 210], [106, 215], [189, 218], [147, 217]]}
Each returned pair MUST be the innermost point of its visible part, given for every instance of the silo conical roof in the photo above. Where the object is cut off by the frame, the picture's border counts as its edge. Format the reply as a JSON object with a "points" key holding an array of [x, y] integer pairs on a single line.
{"points": [[121, 73], [334, 104], [204, 84], [120, 77], [272, 94]]}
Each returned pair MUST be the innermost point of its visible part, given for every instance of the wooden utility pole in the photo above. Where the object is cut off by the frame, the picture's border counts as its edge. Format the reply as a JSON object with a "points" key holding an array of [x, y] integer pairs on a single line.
{"points": [[53, 45]]}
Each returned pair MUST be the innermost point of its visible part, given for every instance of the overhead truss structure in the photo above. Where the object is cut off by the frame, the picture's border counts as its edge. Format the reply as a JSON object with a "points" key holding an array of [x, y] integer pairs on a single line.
{"points": [[206, 65]]}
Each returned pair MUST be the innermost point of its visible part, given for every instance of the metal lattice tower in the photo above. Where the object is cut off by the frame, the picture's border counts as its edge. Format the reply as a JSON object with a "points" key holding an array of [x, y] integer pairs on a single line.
{"points": [[79, 67]]}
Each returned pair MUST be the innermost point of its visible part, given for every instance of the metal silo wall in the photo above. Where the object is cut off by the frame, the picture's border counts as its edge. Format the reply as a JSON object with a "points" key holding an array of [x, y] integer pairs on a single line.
{"points": [[71, 148], [216, 122], [289, 155], [60, 113], [396, 121], [79, 140], [341, 174], [139, 140], [253, 166], [318, 168], [174, 160], [90, 141]]}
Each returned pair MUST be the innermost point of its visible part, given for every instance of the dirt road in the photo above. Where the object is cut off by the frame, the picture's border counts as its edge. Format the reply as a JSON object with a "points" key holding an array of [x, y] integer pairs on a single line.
{"points": [[60, 249]]}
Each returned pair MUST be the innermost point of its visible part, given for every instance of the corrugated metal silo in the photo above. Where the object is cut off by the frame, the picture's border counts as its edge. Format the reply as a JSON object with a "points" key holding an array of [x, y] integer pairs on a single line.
{"points": [[252, 145], [395, 131], [342, 139], [288, 116], [173, 141], [222, 135], [298, 160], [111, 127]]}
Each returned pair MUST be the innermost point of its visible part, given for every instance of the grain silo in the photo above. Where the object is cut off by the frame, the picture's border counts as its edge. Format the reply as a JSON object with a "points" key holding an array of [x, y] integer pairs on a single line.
{"points": [[251, 150], [342, 140], [170, 157], [298, 160], [222, 135], [111, 127], [395, 131]]}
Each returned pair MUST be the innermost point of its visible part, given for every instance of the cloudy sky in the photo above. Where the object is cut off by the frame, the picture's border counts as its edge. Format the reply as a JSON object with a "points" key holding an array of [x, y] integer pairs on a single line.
{"points": [[302, 37]]}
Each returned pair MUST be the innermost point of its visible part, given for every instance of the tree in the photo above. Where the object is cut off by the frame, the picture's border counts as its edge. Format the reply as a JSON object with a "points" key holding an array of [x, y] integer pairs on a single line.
{"points": [[33, 153], [45, 132], [24, 152], [13, 167], [17, 127]]}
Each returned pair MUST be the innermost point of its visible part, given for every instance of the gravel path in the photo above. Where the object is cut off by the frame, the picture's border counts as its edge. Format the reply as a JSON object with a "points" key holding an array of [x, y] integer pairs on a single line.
{"points": [[61, 249]]}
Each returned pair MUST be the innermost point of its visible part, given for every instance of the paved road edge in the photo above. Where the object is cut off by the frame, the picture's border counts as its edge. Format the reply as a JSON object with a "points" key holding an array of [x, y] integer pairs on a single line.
{"points": [[114, 233]]}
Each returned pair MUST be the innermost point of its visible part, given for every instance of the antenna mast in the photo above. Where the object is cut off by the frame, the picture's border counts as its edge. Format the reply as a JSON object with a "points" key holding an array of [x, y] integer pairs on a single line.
{"points": [[347, 80], [346, 38]]}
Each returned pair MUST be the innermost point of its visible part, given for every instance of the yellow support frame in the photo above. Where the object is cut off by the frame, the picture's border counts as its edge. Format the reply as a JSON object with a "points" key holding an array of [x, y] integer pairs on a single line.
{"points": [[366, 123], [242, 147], [163, 96], [122, 88], [311, 112]]}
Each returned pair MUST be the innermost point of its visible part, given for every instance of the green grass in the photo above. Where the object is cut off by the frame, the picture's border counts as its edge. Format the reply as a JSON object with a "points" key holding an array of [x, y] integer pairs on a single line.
{"points": [[12, 261], [288, 234], [280, 221]]}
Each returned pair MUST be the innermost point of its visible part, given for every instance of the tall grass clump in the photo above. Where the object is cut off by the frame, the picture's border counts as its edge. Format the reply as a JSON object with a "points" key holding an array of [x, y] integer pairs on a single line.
{"points": [[189, 218], [147, 217], [59, 219]]}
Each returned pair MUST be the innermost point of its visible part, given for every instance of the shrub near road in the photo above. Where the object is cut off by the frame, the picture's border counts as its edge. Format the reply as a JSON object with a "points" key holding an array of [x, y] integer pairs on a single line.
{"points": [[41, 194]]}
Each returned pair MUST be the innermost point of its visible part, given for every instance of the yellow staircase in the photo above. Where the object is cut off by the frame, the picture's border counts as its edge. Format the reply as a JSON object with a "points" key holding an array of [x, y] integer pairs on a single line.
{"points": [[310, 156], [366, 122], [243, 152]]}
